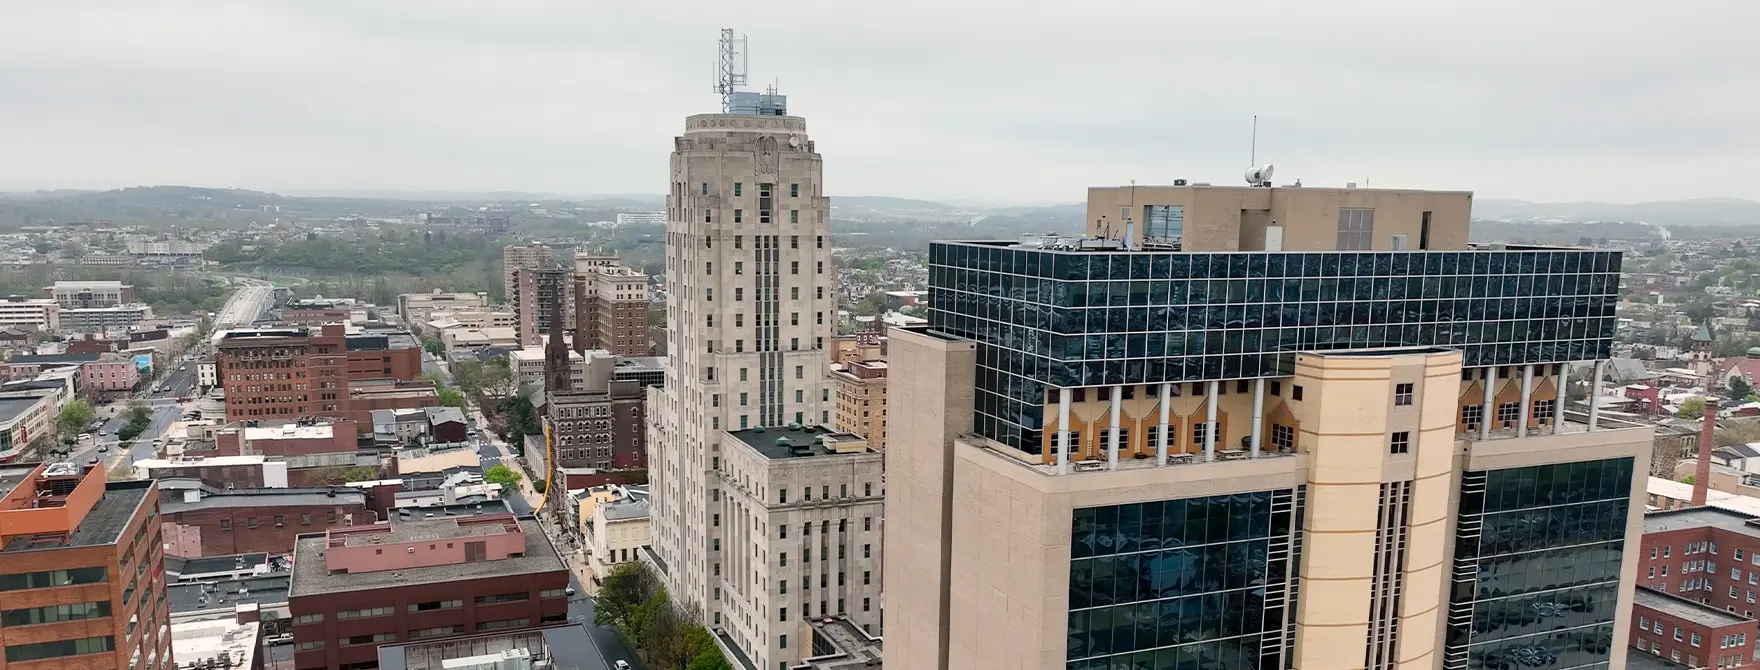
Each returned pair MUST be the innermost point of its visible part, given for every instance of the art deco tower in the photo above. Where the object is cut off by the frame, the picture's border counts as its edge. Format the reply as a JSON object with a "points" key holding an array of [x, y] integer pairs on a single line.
{"points": [[750, 307]]}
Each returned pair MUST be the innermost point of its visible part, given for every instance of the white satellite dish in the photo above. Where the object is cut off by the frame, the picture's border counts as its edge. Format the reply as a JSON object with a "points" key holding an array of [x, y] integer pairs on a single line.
{"points": [[1261, 175], [794, 141]]}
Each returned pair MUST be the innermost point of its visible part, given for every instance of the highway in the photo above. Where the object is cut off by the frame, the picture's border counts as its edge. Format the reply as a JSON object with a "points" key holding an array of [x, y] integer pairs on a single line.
{"points": [[253, 297]]}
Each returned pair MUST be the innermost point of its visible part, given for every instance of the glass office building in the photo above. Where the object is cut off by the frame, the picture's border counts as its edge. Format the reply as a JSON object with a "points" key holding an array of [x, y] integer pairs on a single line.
{"points": [[1047, 318]]}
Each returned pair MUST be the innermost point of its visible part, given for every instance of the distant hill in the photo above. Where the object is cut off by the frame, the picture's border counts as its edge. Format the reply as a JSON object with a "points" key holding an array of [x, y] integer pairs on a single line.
{"points": [[1700, 212]]}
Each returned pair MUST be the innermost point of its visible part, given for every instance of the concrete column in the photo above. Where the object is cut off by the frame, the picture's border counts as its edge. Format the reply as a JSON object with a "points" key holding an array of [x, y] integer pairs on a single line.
{"points": [[1112, 435], [1562, 384], [1210, 422], [1490, 410], [1258, 413], [1064, 396], [1527, 400], [1166, 413], [1595, 394]]}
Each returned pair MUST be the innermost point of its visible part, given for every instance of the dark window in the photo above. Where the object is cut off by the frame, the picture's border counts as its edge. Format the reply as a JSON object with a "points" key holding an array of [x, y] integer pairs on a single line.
{"points": [[19, 653], [1401, 443], [1424, 232], [1295, 392], [1402, 394], [1356, 228]]}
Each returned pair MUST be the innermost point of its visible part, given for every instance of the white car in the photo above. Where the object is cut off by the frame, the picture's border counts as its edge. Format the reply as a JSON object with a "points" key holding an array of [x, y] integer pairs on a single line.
{"points": [[622, 664]]}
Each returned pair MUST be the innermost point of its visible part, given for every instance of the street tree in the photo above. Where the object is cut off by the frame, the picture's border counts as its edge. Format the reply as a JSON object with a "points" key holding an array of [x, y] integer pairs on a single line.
{"points": [[1692, 408], [74, 417], [504, 477]]}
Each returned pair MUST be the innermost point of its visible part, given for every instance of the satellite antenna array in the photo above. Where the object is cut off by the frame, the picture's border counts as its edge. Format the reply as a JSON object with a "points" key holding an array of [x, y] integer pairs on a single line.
{"points": [[1260, 176], [730, 68]]}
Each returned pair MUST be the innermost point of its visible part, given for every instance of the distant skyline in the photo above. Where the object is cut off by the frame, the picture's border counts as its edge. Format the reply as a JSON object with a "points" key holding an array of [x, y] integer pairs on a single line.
{"points": [[985, 101]]}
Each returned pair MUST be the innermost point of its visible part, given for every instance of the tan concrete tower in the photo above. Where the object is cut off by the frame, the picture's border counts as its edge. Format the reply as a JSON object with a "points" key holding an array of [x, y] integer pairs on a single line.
{"points": [[750, 308]]}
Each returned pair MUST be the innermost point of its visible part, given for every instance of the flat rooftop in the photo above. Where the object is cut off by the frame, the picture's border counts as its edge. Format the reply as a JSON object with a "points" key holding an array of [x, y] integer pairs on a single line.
{"points": [[794, 441], [311, 576], [1700, 517], [13, 475], [1689, 610], [568, 645], [223, 595], [102, 525], [292, 497]]}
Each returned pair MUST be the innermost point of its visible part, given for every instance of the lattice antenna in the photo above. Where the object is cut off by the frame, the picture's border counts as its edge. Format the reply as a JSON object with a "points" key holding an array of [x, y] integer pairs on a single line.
{"points": [[730, 68]]}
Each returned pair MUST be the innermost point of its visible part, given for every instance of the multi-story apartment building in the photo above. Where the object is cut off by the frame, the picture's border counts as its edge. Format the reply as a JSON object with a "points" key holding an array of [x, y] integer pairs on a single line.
{"points": [[529, 364], [30, 313], [88, 294], [220, 522], [860, 347], [601, 428], [1690, 632], [317, 311], [82, 576], [801, 517], [294, 372], [860, 391], [111, 375], [516, 257], [751, 305], [354, 589], [104, 319], [1248, 431], [611, 306], [538, 291]]}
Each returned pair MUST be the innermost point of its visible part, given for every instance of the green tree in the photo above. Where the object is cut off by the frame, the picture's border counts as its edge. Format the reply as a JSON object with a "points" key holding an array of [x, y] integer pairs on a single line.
{"points": [[1738, 390], [433, 346], [1693, 408], [74, 417], [451, 397], [503, 476]]}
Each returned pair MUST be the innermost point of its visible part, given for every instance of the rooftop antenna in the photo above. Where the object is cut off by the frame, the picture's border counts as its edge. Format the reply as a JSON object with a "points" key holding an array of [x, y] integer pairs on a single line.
{"points": [[1253, 156], [730, 68]]}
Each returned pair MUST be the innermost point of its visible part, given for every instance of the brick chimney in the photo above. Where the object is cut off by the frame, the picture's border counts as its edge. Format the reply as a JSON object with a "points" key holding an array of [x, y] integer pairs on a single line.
{"points": [[1707, 441]]}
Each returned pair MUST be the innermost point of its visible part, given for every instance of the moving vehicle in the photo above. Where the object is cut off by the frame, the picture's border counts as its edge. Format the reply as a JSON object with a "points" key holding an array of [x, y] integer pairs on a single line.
{"points": [[622, 664], [103, 448], [568, 591], [181, 368]]}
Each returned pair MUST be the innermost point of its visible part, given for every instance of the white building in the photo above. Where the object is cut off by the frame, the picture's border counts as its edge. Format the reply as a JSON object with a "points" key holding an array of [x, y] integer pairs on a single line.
{"points": [[802, 507], [615, 535], [29, 313], [207, 374], [100, 319], [750, 310], [641, 218]]}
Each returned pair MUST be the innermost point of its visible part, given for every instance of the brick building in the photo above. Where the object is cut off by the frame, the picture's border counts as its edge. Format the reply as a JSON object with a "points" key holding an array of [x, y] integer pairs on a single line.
{"points": [[82, 577], [221, 472], [316, 312], [222, 522], [1705, 554], [111, 375], [611, 306], [859, 389], [540, 290], [599, 429], [287, 373], [354, 589], [1690, 632]]}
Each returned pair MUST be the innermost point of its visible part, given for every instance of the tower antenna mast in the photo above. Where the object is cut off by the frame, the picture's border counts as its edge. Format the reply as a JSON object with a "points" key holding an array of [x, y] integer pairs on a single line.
{"points": [[730, 68]]}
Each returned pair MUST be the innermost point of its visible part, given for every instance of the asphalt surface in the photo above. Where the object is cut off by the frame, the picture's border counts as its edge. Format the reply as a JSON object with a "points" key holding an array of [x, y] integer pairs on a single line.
{"points": [[245, 305]]}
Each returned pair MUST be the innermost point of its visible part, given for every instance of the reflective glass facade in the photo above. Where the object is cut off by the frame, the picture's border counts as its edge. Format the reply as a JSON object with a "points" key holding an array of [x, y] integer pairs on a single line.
{"points": [[1536, 566], [1048, 318], [1184, 584]]}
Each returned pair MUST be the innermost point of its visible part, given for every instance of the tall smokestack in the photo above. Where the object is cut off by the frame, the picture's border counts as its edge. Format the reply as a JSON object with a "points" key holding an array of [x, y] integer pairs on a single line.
{"points": [[1707, 441]]}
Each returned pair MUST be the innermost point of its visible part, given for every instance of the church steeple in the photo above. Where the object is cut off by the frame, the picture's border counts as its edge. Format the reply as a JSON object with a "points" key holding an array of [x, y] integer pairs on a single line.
{"points": [[556, 377]]}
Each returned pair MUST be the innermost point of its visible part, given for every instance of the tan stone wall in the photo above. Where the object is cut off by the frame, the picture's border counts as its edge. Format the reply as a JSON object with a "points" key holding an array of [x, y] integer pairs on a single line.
{"points": [[1231, 218]]}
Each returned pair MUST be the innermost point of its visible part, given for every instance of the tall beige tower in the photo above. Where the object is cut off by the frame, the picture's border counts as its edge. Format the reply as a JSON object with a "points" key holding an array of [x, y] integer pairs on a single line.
{"points": [[749, 311]]}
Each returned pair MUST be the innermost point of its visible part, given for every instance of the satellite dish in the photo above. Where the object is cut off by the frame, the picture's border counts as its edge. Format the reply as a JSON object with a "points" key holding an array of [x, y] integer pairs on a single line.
{"points": [[794, 141], [1261, 175]]}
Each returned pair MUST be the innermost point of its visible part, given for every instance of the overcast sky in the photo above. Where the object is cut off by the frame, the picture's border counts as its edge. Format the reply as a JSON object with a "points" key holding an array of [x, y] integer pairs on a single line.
{"points": [[1021, 101]]}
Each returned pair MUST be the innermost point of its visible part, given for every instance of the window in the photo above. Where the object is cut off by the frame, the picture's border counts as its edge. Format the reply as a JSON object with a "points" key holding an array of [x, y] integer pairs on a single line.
{"points": [[739, 241], [1508, 412], [794, 190], [708, 216], [53, 578], [375, 638], [363, 613], [55, 613], [794, 241], [799, 371], [250, 522], [739, 216], [1695, 640], [1544, 410], [1402, 394], [1200, 432], [821, 267], [19, 653], [794, 267], [794, 293], [1472, 416], [794, 318], [558, 593], [1283, 437], [739, 267], [1677, 634], [867, 523], [782, 614], [865, 551], [502, 624], [819, 241], [1164, 222], [308, 618], [1295, 392], [502, 598], [1356, 227], [867, 578], [436, 632], [864, 604], [1401, 443], [794, 216], [737, 188], [225, 524], [309, 646], [820, 291]]}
